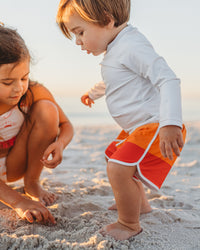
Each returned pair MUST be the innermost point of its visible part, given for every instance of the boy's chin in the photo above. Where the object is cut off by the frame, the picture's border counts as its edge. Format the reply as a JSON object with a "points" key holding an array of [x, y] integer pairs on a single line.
{"points": [[96, 53]]}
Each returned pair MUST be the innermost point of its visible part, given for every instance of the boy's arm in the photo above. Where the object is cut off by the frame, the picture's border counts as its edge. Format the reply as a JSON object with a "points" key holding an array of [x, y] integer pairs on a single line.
{"points": [[85, 99], [148, 64], [171, 140], [94, 93]]}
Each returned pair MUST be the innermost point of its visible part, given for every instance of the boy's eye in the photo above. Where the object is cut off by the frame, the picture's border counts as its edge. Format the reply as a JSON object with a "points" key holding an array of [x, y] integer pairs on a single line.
{"points": [[80, 33]]}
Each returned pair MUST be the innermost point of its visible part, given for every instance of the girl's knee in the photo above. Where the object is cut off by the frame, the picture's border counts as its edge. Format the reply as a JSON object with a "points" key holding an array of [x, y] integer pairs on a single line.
{"points": [[45, 111], [45, 114], [45, 118], [12, 178], [13, 175]]}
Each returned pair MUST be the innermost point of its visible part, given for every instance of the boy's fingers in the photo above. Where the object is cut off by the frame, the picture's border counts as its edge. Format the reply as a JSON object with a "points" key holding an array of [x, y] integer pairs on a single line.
{"points": [[88, 102], [168, 150], [175, 147], [84, 99], [180, 142], [91, 102], [162, 149]]}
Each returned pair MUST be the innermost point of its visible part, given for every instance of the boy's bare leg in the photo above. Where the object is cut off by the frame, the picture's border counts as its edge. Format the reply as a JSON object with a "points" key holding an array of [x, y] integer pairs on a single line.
{"points": [[33, 139], [145, 206], [128, 200]]}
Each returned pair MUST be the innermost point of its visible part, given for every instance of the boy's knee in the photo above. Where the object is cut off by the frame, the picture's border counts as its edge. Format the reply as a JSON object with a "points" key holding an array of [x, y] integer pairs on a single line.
{"points": [[115, 172], [118, 173]]}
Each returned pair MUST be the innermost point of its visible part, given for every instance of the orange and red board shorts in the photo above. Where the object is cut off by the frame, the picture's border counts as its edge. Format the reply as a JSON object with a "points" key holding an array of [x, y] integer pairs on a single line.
{"points": [[141, 149]]}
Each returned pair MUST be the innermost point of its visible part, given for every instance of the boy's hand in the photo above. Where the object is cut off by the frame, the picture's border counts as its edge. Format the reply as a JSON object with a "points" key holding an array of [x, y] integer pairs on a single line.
{"points": [[85, 99], [171, 139]]}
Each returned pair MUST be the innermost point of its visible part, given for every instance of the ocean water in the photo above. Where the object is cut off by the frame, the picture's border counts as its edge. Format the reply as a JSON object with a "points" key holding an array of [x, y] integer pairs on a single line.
{"points": [[80, 114]]}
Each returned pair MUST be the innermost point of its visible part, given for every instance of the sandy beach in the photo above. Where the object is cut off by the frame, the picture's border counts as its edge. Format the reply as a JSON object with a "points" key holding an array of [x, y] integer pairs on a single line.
{"points": [[84, 195]]}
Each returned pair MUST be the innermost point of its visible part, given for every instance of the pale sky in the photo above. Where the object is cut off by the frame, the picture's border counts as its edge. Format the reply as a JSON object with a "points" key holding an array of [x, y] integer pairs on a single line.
{"points": [[172, 26]]}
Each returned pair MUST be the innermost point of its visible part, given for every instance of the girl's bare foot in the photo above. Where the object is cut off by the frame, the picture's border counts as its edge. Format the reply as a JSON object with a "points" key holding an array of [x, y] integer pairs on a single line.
{"points": [[143, 210], [119, 231], [37, 193]]}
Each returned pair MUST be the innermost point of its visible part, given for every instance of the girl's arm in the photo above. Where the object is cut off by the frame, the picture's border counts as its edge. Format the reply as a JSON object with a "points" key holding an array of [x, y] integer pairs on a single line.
{"points": [[65, 130], [25, 208], [56, 148]]}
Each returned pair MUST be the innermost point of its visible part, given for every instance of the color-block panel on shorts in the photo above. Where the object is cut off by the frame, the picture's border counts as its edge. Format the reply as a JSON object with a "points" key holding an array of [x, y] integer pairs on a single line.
{"points": [[141, 149], [148, 132], [154, 169], [150, 169], [128, 153], [111, 149], [143, 135]]}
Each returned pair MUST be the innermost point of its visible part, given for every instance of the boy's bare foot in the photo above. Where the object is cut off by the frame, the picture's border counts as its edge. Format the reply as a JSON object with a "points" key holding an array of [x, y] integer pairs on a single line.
{"points": [[113, 207], [143, 210], [119, 231], [37, 193]]}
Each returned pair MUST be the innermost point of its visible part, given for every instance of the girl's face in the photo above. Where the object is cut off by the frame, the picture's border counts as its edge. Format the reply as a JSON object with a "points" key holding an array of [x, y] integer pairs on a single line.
{"points": [[91, 37], [14, 80]]}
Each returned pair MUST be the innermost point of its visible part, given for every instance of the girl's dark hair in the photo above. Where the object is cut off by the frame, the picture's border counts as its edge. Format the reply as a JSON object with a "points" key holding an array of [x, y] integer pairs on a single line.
{"points": [[23, 100], [13, 50], [12, 47]]}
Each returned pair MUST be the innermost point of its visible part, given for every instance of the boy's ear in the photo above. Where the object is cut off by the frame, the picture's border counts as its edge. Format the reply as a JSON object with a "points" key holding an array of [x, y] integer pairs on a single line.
{"points": [[111, 24]]}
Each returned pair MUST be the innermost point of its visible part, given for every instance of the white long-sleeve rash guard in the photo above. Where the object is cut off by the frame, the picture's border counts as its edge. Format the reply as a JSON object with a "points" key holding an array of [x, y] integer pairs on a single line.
{"points": [[140, 87]]}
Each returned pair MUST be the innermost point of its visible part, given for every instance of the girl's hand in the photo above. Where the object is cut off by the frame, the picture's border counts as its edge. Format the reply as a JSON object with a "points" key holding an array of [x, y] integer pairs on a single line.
{"points": [[33, 211], [85, 99], [55, 151], [171, 139]]}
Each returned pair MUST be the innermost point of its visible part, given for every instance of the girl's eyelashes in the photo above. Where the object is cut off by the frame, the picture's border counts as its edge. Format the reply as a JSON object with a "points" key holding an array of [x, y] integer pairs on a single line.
{"points": [[9, 83], [25, 79], [6, 83]]}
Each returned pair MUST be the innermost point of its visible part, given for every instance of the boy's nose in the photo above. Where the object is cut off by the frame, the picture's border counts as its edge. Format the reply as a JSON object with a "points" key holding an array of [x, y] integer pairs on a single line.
{"points": [[78, 41]]}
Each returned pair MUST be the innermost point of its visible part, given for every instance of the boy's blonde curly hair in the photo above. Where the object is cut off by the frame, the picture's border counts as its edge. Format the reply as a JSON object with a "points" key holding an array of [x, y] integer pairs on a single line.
{"points": [[96, 11]]}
